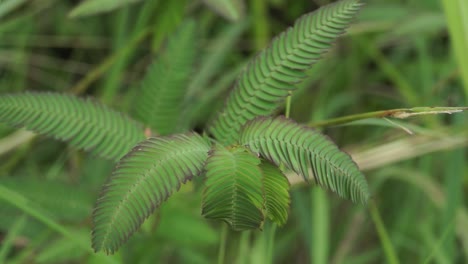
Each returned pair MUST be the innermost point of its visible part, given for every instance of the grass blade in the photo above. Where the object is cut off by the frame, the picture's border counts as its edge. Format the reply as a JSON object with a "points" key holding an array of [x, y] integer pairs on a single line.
{"points": [[456, 12], [388, 248]]}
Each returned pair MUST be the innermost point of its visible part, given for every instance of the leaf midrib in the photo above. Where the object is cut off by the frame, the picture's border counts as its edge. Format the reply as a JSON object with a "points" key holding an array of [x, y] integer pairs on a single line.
{"points": [[311, 150], [138, 184], [290, 53], [78, 118]]}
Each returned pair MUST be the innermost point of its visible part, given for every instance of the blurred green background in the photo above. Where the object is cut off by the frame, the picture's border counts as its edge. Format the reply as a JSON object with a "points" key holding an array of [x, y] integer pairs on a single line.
{"points": [[399, 53]]}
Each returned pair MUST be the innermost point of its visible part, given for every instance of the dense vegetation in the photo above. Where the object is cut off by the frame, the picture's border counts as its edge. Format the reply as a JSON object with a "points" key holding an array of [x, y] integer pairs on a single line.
{"points": [[104, 76]]}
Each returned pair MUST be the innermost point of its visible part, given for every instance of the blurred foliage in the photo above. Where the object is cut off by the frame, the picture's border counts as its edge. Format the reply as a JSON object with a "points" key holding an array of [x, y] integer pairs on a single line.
{"points": [[398, 54]]}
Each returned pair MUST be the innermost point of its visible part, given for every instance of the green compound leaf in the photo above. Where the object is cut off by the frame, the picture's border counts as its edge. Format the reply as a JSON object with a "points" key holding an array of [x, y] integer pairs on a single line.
{"points": [[276, 193], [271, 76], [162, 90], [141, 181], [84, 123], [234, 188], [307, 153]]}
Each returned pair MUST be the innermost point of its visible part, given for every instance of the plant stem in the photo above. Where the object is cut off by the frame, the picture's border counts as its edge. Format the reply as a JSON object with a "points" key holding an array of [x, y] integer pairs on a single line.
{"points": [[14, 140], [261, 29], [244, 245], [320, 231], [383, 235], [270, 240], [401, 113], [222, 244], [288, 106], [8, 241]]}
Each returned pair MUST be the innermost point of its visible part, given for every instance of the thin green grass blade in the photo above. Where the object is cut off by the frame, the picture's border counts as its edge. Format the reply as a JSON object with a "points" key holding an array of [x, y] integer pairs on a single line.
{"points": [[60, 201], [23, 204], [387, 245], [230, 9], [456, 12], [94, 7], [261, 26], [7, 242], [8, 6], [61, 251]]}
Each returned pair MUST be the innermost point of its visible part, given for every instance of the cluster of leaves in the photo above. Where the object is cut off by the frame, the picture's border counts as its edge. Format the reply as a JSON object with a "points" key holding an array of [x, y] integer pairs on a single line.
{"points": [[243, 162]]}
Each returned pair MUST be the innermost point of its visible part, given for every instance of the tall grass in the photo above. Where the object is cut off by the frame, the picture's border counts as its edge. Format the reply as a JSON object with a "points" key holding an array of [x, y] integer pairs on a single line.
{"points": [[396, 56]]}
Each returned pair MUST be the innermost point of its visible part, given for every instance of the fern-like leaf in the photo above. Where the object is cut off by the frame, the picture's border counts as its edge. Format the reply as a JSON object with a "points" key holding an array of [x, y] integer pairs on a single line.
{"points": [[159, 103], [234, 188], [141, 181], [307, 153], [271, 76], [84, 123], [276, 193]]}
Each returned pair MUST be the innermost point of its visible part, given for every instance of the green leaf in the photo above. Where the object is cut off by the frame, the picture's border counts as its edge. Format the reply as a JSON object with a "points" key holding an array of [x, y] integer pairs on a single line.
{"points": [[159, 104], [307, 153], [230, 9], [84, 123], [276, 193], [93, 7], [233, 190], [141, 181], [271, 76]]}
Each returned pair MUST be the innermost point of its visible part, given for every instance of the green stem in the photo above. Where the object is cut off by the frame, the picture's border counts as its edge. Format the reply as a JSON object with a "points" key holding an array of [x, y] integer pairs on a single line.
{"points": [[222, 244], [389, 250], [261, 29], [8, 241], [320, 232], [395, 113], [244, 245], [14, 140], [288, 106], [270, 240]]}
